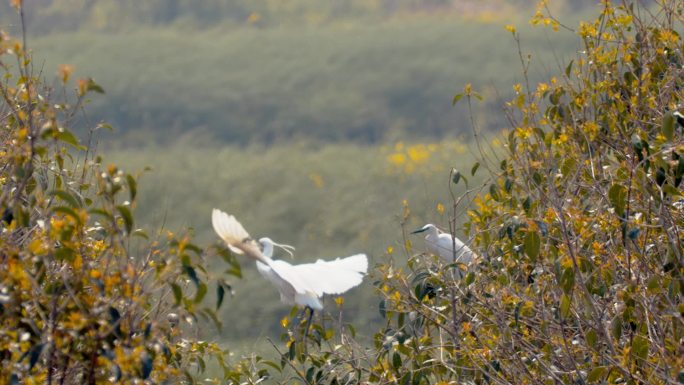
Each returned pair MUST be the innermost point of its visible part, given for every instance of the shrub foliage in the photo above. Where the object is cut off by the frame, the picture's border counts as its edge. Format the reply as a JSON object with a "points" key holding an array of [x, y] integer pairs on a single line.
{"points": [[579, 234], [85, 296], [580, 231]]}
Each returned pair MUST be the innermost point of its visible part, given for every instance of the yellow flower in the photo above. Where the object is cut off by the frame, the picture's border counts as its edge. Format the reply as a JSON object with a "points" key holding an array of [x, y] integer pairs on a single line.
{"points": [[397, 159], [418, 154], [316, 179]]}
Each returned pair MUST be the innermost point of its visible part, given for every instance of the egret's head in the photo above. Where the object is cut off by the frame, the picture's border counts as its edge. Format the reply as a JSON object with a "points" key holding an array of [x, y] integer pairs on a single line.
{"points": [[425, 228], [267, 247]]}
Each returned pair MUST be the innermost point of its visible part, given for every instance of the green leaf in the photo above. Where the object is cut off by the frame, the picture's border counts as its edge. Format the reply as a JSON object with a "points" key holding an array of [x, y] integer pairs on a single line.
{"points": [[177, 292], [457, 97], [639, 348], [616, 327], [68, 137], [527, 204], [537, 178], [396, 361], [382, 309], [532, 244], [672, 191], [494, 191], [220, 293], [127, 217], [114, 315], [516, 312], [668, 126], [292, 352], [567, 280], [66, 197], [132, 186], [92, 86], [456, 176], [592, 338], [140, 233], [101, 212], [201, 292], [565, 303], [146, 364], [618, 196], [273, 365], [597, 374], [653, 285], [190, 272], [34, 354], [470, 278], [568, 68], [64, 254], [310, 374], [474, 169]]}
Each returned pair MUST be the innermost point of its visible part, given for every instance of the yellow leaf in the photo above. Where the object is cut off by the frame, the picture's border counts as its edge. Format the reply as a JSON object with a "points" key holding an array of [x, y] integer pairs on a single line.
{"points": [[284, 322], [65, 71], [36, 247], [339, 301], [440, 208], [253, 18]]}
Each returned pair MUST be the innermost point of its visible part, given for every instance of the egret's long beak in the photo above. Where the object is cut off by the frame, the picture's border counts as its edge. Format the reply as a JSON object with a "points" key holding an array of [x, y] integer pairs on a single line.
{"points": [[420, 230], [288, 249]]}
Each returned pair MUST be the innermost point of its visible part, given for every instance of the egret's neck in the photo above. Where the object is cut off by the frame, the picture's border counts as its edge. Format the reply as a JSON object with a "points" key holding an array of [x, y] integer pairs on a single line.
{"points": [[432, 233], [268, 249]]}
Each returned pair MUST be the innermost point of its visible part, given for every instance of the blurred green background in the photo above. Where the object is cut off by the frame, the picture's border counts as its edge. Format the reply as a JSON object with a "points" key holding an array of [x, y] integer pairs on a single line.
{"points": [[311, 121]]}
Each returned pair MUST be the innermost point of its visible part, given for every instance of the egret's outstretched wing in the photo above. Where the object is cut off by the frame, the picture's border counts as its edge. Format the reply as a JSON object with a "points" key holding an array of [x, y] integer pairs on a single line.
{"points": [[235, 236], [332, 277]]}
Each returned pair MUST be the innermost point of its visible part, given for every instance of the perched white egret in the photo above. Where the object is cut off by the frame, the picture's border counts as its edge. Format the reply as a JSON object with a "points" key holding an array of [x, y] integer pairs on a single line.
{"points": [[449, 248], [303, 284]]}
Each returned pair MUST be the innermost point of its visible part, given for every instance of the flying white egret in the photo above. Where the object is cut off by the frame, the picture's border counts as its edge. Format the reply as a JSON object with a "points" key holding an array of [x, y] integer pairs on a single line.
{"points": [[449, 248], [302, 284]]}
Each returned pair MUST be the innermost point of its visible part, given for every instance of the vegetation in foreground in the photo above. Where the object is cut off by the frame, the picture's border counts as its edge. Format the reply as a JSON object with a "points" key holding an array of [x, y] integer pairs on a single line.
{"points": [[579, 232]]}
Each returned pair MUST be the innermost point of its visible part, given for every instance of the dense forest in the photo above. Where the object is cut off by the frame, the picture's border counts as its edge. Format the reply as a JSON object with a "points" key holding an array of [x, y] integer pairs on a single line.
{"points": [[563, 176]]}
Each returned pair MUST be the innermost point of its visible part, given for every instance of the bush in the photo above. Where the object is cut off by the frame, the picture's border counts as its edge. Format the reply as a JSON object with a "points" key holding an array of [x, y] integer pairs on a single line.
{"points": [[579, 236], [85, 296], [580, 232]]}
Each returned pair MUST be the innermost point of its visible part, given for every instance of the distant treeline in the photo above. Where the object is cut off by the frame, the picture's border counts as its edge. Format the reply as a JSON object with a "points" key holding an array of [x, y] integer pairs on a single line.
{"points": [[277, 75], [367, 84], [45, 16]]}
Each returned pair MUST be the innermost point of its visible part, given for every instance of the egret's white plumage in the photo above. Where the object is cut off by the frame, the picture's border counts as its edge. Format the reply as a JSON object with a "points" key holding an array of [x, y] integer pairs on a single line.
{"points": [[302, 284], [444, 244]]}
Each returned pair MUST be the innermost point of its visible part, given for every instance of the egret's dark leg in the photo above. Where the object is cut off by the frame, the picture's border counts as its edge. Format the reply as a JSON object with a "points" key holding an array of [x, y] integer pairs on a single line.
{"points": [[308, 322]]}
